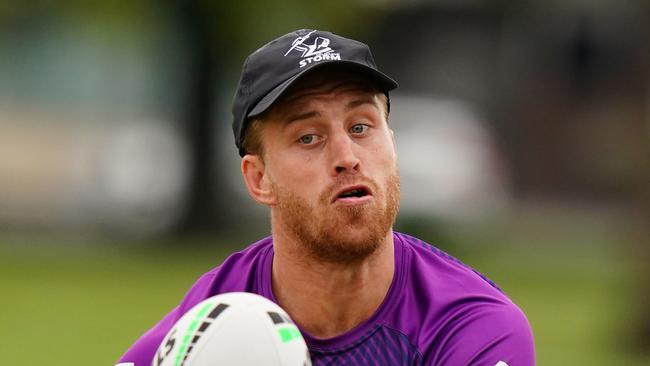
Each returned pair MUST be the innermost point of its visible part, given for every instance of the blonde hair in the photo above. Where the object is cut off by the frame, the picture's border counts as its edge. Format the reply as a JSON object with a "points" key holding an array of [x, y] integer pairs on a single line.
{"points": [[252, 143]]}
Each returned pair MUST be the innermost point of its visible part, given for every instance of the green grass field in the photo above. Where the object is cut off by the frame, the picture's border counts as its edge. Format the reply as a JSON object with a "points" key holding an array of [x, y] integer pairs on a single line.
{"points": [[85, 304]]}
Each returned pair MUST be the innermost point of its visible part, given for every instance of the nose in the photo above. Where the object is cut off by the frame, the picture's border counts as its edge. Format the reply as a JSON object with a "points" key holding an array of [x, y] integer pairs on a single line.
{"points": [[344, 158]]}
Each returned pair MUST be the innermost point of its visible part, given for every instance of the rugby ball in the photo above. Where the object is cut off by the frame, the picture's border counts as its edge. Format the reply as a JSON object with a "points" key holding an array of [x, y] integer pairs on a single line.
{"points": [[235, 329]]}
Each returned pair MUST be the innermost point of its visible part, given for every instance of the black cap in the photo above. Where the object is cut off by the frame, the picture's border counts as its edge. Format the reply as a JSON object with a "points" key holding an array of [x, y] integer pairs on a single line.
{"points": [[268, 72]]}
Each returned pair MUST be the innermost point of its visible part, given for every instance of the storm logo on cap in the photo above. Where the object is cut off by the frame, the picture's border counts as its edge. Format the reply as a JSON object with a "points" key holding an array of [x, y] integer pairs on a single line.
{"points": [[316, 50]]}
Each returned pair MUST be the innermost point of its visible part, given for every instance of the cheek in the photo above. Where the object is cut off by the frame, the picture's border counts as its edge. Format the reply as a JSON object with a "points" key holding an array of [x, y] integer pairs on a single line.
{"points": [[297, 176], [384, 153]]}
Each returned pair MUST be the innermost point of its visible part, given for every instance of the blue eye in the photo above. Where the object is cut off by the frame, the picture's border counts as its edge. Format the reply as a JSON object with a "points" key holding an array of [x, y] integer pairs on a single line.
{"points": [[359, 128], [307, 139]]}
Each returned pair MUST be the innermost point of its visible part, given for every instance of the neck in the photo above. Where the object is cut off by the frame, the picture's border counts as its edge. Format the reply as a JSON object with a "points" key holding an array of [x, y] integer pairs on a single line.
{"points": [[331, 298]]}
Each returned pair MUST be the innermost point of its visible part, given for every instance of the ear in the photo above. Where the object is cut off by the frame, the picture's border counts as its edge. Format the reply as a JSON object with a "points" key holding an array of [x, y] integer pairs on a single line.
{"points": [[392, 136], [257, 181]]}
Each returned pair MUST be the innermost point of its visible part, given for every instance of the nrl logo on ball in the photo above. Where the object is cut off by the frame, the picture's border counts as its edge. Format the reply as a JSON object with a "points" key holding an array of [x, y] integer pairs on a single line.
{"points": [[313, 50]]}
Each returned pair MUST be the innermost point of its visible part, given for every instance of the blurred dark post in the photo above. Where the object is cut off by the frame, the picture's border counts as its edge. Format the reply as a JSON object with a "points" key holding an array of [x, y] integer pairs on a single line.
{"points": [[194, 23]]}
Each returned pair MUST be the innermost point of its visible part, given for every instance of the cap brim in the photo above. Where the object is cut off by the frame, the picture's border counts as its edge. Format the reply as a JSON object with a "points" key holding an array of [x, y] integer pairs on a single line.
{"points": [[384, 82]]}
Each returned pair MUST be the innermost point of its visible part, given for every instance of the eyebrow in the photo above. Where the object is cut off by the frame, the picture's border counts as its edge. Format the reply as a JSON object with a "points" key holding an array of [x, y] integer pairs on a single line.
{"points": [[301, 116], [358, 102], [311, 114]]}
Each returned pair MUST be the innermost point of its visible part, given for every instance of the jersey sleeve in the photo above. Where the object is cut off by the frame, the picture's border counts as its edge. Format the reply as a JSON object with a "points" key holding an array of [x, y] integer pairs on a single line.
{"points": [[141, 353], [488, 335]]}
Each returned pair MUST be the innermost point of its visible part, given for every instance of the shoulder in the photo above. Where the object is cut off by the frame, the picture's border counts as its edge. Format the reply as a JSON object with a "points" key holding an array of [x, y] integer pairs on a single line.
{"points": [[464, 318], [434, 270]]}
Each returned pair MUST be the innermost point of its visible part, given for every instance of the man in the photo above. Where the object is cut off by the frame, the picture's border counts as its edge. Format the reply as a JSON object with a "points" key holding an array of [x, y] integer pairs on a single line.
{"points": [[311, 125]]}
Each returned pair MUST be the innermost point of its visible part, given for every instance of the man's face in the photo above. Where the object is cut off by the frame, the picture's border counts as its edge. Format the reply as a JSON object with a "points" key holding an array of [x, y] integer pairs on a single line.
{"points": [[330, 159]]}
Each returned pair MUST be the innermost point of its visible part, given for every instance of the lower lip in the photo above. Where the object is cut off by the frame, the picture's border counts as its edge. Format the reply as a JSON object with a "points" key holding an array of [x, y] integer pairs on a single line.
{"points": [[351, 201]]}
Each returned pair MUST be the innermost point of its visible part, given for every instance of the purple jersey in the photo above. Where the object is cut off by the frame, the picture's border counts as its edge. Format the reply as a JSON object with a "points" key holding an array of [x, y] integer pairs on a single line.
{"points": [[438, 311]]}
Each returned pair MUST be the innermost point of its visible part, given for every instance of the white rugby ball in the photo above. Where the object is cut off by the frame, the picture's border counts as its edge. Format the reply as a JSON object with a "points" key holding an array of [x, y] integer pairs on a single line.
{"points": [[234, 329]]}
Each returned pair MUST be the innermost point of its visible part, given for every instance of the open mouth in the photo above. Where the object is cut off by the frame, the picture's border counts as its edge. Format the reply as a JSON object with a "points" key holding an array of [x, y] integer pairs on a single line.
{"points": [[352, 193]]}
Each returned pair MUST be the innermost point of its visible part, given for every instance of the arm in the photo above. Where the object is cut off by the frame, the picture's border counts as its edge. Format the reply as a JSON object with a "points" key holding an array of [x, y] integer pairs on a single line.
{"points": [[142, 352]]}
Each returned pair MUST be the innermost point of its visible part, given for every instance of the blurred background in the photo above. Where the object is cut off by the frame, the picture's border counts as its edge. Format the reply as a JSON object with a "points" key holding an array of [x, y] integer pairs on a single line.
{"points": [[523, 131]]}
